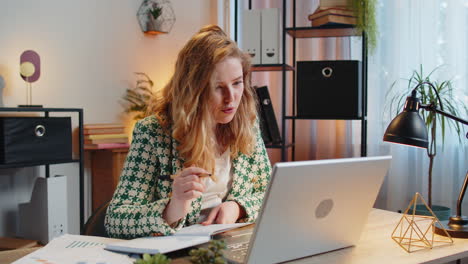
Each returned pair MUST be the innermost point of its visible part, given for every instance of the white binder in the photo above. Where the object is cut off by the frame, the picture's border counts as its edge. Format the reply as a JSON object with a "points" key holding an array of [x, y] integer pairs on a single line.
{"points": [[251, 34], [271, 36]]}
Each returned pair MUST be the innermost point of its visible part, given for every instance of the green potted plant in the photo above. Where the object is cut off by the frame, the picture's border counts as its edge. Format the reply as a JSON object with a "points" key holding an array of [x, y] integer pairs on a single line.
{"points": [[364, 11], [213, 254], [155, 259], [136, 98], [434, 122], [155, 10]]}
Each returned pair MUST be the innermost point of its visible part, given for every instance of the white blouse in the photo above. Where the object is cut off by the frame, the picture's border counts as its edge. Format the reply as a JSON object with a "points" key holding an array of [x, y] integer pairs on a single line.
{"points": [[215, 192]]}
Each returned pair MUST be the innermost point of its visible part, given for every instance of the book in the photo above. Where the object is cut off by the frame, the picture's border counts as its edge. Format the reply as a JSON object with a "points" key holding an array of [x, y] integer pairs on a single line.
{"points": [[331, 11], [101, 136], [106, 146], [103, 125], [333, 3], [333, 19], [268, 124], [106, 140], [184, 238], [98, 131]]}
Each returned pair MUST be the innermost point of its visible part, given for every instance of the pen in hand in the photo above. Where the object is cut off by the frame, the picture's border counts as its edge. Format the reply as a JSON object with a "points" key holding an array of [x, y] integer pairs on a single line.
{"points": [[201, 175]]}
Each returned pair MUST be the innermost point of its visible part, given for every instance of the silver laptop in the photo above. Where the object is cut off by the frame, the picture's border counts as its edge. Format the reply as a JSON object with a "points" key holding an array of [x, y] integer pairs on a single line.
{"points": [[312, 207]]}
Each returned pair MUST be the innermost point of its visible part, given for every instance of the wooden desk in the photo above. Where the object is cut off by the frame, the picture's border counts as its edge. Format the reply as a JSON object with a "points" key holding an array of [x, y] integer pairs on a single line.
{"points": [[377, 246], [106, 166]]}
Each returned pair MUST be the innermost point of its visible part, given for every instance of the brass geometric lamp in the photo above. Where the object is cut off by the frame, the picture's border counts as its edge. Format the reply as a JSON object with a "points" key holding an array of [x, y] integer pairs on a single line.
{"points": [[408, 128]]}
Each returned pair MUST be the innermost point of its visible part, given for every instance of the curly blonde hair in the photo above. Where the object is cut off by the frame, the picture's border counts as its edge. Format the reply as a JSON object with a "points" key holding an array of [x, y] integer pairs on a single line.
{"points": [[184, 101]]}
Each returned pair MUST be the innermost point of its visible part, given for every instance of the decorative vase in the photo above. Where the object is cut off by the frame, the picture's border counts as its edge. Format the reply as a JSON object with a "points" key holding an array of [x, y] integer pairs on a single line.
{"points": [[442, 212]]}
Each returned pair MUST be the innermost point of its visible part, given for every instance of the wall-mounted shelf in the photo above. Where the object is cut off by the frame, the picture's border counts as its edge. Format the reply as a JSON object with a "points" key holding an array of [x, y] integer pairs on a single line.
{"points": [[320, 118], [32, 164], [323, 32], [272, 67]]}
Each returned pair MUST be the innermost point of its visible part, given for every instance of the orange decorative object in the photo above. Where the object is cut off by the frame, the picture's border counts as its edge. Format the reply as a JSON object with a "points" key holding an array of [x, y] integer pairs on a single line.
{"points": [[415, 232]]}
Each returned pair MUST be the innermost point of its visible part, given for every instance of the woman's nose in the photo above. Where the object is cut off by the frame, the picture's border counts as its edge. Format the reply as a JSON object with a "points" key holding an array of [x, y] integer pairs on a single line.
{"points": [[229, 94]]}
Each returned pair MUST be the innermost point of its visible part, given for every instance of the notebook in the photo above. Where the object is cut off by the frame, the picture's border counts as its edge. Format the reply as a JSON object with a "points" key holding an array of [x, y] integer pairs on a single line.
{"points": [[313, 207], [186, 237]]}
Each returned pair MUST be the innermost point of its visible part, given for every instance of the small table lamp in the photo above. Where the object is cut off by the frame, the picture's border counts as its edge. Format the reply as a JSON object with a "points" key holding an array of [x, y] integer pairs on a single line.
{"points": [[30, 71], [408, 128]]}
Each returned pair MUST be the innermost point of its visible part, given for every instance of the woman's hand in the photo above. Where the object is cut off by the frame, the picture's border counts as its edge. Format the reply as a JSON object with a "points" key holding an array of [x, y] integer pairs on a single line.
{"points": [[186, 187], [225, 213]]}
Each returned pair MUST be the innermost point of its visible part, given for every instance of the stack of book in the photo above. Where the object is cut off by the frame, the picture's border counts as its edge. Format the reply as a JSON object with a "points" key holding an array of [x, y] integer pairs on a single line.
{"points": [[105, 136], [332, 16]]}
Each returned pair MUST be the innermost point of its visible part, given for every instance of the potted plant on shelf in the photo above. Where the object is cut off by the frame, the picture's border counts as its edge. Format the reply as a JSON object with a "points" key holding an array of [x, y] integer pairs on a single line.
{"points": [[136, 98], [156, 16], [362, 10], [434, 122]]}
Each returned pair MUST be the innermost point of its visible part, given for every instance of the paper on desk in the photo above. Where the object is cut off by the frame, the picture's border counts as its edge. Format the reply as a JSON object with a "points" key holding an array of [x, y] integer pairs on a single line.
{"points": [[208, 230], [75, 249], [184, 238], [154, 245]]}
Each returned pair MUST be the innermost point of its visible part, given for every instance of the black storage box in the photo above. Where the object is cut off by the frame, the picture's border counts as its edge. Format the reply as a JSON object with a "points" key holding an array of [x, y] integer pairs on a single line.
{"points": [[329, 89], [35, 139]]}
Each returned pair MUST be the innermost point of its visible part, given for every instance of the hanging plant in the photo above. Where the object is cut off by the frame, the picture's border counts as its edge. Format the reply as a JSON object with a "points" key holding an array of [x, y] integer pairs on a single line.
{"points": [[364, 11], [156, 16]]}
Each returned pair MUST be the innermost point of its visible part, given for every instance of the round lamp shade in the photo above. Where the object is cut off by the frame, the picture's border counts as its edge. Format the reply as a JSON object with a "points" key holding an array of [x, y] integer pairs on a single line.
{"points": [[27, 69], [30, 62], [407, 128]]}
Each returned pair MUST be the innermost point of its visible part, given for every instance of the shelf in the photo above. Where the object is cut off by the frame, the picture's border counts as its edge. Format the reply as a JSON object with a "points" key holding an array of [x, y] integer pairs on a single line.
{"points": [[271, 67], [321, 118], [80, 160], [39, 109], [36, 163], [278, 145], [323, 32]]}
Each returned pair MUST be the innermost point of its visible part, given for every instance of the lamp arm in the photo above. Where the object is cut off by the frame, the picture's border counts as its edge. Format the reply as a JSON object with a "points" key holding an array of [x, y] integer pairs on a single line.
{"points": [[433, 108], [413, 93], [461, 196]]}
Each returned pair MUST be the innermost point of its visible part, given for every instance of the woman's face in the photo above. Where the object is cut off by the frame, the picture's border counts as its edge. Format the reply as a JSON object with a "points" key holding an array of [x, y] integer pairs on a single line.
{"points": [[229, 86]]}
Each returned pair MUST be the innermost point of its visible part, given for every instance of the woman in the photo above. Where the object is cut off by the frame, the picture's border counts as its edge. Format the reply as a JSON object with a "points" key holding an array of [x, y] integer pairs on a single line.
{"points": [[202, 123]]}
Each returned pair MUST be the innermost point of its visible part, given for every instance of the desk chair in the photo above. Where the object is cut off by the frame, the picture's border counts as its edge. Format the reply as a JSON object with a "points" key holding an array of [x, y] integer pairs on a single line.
{"points": [[95, 224]]}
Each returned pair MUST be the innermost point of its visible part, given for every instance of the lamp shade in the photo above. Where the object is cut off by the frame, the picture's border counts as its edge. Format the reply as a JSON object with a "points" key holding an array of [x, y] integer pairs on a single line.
{"points": [[407, 128]]}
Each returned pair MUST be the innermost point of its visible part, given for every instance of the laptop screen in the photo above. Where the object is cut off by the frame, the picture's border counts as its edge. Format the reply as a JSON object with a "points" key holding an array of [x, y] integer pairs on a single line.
{"points": [[313, 207]]}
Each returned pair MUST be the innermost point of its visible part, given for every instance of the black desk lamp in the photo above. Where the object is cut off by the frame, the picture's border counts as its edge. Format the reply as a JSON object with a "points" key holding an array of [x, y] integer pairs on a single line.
{"points": [[409, 128]]}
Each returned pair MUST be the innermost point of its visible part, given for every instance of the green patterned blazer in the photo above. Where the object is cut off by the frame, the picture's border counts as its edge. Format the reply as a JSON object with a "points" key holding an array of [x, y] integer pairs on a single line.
{"points": [[145, 187]]}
